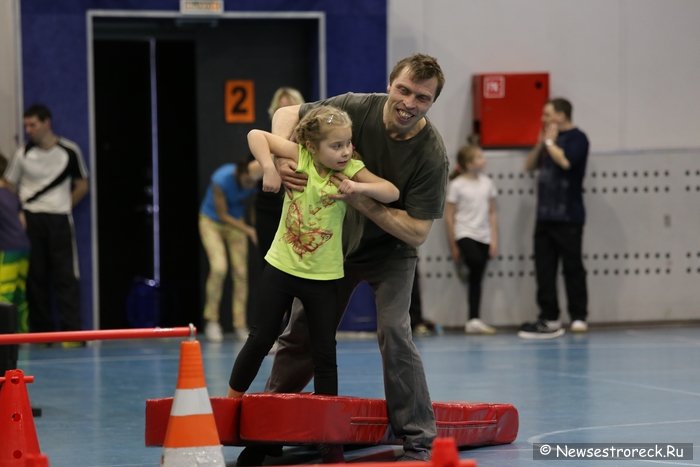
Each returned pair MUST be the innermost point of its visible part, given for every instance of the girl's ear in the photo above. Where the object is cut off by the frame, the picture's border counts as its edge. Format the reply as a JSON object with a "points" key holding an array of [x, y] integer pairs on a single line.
{"points": [[311, 146]]}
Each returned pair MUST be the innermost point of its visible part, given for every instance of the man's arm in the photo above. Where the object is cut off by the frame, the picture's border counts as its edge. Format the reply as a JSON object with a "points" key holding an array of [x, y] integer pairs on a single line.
{"points": [[396, 222], [450, 210], [284, 120], [80, 189], [548, 141], [557, 154], [283, 123]]}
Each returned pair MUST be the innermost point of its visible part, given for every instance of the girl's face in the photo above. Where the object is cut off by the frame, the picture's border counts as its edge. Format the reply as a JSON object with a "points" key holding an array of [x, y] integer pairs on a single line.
{"points": [[335, 150], [478, 163]]}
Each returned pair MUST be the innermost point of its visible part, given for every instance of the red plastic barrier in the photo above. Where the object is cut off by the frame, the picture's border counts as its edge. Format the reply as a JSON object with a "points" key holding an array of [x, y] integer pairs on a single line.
{"points": [[96, 335], [474, 424], [304, 419]]}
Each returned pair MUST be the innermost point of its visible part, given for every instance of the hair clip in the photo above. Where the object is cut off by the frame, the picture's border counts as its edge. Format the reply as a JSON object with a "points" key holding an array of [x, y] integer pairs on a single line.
{"points": [[329, 120]]}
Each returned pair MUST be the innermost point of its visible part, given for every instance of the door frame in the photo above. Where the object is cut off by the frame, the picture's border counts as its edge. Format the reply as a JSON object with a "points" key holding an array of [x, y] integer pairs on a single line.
{"points": [[90, 17]]}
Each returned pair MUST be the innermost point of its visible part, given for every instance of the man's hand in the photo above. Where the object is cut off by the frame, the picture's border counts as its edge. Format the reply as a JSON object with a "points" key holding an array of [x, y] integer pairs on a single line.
{"points": [[551, 132], [291, 179]]}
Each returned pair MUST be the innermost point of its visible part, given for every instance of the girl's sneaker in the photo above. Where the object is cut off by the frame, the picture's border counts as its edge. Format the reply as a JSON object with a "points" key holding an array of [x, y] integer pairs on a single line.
{"points": [[476, 326]]}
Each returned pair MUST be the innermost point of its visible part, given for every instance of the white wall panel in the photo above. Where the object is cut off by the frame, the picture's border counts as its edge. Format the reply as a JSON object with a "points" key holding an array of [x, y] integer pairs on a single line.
{"points": [[630, 67], [641, 243]]}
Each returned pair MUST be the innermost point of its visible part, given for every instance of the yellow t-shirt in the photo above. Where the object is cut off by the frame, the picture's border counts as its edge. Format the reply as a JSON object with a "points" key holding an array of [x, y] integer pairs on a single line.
{"points": [[308, 242]]}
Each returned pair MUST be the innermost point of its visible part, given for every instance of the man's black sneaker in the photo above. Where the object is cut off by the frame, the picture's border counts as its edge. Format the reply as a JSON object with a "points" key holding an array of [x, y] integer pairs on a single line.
{"points": [[255, 455], [540, 329]]}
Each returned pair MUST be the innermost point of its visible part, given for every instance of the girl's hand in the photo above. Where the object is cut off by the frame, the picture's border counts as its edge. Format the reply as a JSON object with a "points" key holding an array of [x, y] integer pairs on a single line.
{"points": [[493, 249], [271, 180], [454, 250], [347, 187]]}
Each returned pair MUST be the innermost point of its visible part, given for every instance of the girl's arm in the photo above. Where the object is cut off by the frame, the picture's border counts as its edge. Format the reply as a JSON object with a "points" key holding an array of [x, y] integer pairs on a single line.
{"points": [[493, 221], [263, 145], [366, 183]]}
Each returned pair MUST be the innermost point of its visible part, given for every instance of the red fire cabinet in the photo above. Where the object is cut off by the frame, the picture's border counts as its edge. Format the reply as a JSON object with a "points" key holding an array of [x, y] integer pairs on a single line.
{"points": [[508, 108]]}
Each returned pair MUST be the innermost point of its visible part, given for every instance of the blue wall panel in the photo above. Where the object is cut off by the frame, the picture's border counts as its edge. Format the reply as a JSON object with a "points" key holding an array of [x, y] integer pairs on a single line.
{"points": [[54, 68]]}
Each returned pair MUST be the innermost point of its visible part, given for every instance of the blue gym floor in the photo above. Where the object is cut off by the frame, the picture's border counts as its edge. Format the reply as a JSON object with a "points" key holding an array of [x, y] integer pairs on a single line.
{"points": [[638, 385]]}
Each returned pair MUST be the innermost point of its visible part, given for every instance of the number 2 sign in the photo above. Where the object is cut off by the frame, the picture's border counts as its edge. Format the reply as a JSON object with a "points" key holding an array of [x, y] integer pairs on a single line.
{"points": [[239, 101]]}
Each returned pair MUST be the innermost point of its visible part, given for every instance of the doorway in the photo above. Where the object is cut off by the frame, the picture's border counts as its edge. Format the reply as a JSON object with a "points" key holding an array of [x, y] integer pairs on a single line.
{"points": [[153, 157]]}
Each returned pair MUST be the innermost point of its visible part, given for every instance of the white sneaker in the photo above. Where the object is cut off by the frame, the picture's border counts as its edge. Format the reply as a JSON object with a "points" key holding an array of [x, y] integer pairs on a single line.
{"points": [[476, 326], [212, 331], [579, 326], [242, 334]]}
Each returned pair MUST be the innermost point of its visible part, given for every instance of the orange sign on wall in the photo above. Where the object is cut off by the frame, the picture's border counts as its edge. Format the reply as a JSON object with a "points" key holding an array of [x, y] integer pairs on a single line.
{"points": [[239, 101]]}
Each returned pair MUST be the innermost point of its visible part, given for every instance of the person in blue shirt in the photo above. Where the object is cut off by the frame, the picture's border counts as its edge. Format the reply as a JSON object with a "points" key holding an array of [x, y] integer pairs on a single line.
{"points": [[222, 227], [560, 158]]}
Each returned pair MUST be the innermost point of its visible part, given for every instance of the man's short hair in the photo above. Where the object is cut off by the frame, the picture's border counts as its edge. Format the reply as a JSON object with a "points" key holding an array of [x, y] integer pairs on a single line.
{"points": [[422, 67], [39, 111], [562, 105]]}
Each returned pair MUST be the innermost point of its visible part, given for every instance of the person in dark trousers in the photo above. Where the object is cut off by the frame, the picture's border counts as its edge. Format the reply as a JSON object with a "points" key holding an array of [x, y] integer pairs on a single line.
{"points": [[51, 177], [560, 158], [471, 221], [419, 325], [399, 143]]}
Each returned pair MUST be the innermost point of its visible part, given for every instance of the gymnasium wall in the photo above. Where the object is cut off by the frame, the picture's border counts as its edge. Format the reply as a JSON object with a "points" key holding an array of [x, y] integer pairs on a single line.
{"points": [[629, 69], [640, 243], [629, 66], [54, 68]]}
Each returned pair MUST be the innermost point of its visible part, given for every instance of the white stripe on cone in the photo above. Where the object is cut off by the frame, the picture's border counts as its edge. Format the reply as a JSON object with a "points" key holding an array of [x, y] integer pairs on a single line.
{"points": [[207, 456], [191, 402]]}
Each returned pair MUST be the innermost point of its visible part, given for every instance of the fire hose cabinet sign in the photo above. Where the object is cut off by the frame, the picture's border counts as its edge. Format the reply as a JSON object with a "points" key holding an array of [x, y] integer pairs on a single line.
{"points": [[507, 108]]}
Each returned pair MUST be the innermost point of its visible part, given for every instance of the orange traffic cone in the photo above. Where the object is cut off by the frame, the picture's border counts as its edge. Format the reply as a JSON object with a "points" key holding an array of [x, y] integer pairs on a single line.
{"points": [[444, 453], [191, 438], [20, 446]]}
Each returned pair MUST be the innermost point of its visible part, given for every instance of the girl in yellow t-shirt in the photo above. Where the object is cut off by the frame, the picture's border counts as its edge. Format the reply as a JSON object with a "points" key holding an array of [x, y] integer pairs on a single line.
{"points": [[306, 256]]}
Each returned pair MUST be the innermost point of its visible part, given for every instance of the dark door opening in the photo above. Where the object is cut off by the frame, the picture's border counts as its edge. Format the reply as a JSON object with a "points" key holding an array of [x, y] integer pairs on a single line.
{"points": [[125, 182], [194, 59]]}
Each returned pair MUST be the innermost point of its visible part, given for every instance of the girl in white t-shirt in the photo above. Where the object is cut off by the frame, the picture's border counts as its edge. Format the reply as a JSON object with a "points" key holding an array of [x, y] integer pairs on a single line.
{"points": [[472, 227]]}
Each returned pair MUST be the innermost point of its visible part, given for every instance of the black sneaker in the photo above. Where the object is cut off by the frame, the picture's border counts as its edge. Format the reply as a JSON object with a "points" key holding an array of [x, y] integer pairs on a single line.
{"points": [[540, 329], [331, 453], [255, 455], [414, 456]]}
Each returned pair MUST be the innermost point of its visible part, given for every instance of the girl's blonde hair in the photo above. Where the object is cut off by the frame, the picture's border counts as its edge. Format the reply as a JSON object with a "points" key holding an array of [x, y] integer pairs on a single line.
{"points": [[294, 96], [465, 155], [317, 122]]}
